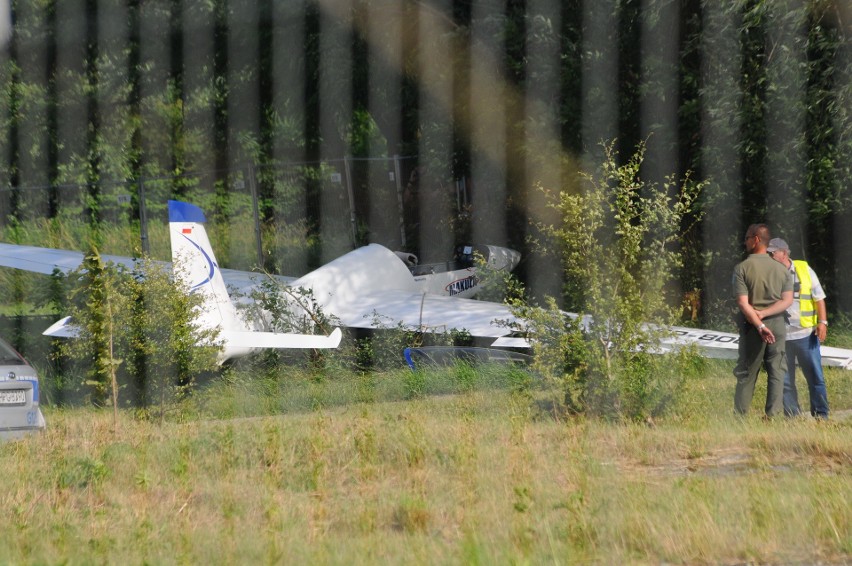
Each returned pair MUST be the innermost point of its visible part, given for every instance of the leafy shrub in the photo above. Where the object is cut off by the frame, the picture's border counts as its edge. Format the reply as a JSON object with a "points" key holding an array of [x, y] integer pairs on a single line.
{"points": [[136, 333], [619, 248]]}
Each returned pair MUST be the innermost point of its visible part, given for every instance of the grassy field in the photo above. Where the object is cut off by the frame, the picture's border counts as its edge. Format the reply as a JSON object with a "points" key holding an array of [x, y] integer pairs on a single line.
{"points": [[444, 467]]}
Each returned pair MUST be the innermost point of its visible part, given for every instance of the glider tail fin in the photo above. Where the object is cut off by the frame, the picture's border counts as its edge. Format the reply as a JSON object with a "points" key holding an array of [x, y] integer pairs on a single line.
{"points": [[195, 263]]}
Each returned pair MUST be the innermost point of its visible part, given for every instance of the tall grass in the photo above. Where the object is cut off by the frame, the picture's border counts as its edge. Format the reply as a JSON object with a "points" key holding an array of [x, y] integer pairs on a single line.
{"points": [[447, 468]]}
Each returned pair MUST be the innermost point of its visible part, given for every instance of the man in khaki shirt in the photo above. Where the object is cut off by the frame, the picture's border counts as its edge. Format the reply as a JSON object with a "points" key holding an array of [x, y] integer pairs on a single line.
{"points": [[763, 290]]}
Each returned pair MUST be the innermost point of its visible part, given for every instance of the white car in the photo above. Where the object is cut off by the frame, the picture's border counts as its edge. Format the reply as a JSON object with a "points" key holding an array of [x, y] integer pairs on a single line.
{"points": [[19, 395]]}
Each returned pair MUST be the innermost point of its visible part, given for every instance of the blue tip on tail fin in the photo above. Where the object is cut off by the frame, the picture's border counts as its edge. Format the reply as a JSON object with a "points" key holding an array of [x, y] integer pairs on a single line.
{"points": [[185, 212]]}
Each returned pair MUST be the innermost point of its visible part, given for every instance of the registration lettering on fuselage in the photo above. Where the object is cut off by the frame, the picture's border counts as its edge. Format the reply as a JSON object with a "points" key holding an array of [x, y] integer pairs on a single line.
{"points": [[709, 337], [461, 285]]}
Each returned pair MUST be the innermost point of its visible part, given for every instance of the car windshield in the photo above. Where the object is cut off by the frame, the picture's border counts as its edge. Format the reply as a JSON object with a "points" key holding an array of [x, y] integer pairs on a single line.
{"points": [[8, 356]]}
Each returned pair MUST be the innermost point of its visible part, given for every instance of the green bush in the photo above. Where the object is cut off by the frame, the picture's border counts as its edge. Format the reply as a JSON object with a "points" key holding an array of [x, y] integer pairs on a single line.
{"points": [[619, 248], [137, 334]]}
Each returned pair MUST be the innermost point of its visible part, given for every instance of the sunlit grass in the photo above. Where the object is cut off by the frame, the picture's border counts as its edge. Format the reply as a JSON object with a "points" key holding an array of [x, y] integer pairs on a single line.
{"points": [[364, 468]]}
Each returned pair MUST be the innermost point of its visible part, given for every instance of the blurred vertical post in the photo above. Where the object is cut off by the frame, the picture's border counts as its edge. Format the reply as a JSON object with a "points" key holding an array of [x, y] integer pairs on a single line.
{"points": [[428, 191], [600, 79], [488, 102], [543, 154], [335, 120], [786, 65], [721, 103], [659, 103]]}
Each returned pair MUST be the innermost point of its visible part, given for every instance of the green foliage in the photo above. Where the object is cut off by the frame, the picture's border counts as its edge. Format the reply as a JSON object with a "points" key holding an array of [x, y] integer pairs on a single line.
{"points": [[94, 302], [775, 133], [137, 333], [171, 350], [414, 383], [561, 349], [81, 472], [280, 308], [496, 285], [383, 348], [618, 241], [288, 309], [365, 139], [466, 374]]}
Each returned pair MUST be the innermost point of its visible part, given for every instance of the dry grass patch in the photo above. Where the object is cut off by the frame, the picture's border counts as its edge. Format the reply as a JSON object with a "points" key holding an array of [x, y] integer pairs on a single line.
{"points": [[480, 476]]}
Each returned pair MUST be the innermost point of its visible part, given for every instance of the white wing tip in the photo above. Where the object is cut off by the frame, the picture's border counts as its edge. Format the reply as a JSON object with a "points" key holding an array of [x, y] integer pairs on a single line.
{"points": [[62, 328]]}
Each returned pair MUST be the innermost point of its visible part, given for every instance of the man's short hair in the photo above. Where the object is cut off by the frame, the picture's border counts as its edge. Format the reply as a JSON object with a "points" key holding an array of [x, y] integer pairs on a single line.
{"points": [[761, 230]]}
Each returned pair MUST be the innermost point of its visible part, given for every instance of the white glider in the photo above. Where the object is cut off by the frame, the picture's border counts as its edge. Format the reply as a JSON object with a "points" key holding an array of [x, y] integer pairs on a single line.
{"points": [[370, 287]]}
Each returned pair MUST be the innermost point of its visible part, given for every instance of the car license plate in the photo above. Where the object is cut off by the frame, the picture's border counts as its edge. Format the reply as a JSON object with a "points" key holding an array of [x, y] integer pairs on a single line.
{"points": [[13, 397]]}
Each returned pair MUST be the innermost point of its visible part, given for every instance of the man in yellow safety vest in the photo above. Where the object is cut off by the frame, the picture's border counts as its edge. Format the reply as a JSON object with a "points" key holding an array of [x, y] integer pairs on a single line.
{"points": [[807, 328]]}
